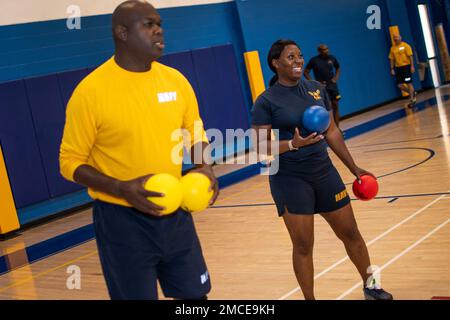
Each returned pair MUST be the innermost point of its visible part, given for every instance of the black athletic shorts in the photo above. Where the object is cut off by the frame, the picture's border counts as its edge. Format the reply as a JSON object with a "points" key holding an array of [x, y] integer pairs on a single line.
{"points": [[333, 91], [403, 74], [136, 250], [311, 193]]}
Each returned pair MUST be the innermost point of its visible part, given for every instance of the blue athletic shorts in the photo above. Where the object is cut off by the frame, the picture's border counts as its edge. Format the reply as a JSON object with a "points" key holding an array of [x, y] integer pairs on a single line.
{"points": [[308, 193], [136, 250]]}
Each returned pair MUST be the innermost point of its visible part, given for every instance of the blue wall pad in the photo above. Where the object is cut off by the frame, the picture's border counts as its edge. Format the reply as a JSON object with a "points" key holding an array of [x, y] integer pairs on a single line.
{"points": [[363, 54], [68, 81], [49, 117], [20, 148], [182, 61]]}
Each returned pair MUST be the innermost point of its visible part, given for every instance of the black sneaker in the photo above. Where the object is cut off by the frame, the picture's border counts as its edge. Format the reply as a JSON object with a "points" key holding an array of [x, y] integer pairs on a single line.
{"points": [[377, 294]]}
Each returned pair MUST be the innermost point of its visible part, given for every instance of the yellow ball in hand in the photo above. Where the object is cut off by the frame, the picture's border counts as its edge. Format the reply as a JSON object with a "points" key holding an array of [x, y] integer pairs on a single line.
{"points": [[196, 194], [171, 188]]}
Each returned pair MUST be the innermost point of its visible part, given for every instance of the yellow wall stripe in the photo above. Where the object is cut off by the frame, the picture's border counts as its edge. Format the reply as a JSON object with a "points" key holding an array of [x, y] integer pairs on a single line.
{"points": [[255, 76], [8, 217]]}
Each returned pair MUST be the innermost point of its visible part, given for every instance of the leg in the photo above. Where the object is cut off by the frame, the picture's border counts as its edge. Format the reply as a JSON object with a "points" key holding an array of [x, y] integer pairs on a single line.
{"points": [[412, 93], [129, 269], [403, 88], [343, 223], [301, 231], [182, 272], [335, 104]]}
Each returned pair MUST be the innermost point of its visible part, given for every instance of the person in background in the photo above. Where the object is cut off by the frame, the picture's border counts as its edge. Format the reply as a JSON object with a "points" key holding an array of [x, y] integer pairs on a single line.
{"points": [[402, 67], [326, 70]]}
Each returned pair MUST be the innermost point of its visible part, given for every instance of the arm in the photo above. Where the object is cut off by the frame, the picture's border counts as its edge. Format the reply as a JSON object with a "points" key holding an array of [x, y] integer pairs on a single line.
{"points": [[337, 66], [308, 68], [79, 136], [336, 142], [265, 146], [307, 75], [337, 75], [392, 66], [392, 60], [411, 59], [133, 190]]}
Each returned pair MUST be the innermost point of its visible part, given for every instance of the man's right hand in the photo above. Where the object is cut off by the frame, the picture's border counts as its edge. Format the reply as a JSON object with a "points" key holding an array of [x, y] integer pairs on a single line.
{"points": [[298, 141], [393, 72], [134, 192]]}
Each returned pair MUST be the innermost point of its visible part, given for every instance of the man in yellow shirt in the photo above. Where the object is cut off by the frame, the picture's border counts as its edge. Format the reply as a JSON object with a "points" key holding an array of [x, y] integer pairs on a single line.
{"points": [[120, 125], [402, 66]]}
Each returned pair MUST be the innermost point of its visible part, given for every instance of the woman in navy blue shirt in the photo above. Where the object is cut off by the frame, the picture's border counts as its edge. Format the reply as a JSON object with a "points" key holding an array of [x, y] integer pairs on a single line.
{"points": [[307, 183]]}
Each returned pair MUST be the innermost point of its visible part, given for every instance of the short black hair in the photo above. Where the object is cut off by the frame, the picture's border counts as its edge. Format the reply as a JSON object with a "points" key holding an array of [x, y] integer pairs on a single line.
{"points": [[275, 52]]}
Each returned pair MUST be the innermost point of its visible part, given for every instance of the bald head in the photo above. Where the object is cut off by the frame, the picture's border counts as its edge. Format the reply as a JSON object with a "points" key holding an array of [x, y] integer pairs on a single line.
{"points": [[323, 50], [137, 30], [397, 39], [129, 12]]}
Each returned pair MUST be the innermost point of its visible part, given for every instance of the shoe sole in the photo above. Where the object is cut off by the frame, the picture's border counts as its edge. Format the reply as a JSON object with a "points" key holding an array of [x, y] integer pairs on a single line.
{"points": [[369, 297]]}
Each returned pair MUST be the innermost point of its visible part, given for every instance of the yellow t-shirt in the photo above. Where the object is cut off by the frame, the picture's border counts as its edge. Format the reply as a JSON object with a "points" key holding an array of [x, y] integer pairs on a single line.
{"points": [[126, 124], [401, 54]]}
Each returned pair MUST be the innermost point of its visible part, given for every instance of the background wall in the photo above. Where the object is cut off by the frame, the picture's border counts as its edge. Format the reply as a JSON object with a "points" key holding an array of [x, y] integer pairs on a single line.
{"points": [[365, 77], [39, 54]]}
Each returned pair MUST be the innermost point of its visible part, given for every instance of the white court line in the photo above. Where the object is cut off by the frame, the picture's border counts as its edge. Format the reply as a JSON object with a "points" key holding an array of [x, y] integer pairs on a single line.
{"points": [[359, 284], [368, 244]]}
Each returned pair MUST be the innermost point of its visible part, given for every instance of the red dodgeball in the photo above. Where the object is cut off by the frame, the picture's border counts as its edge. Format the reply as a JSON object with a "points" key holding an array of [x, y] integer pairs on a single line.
{"points": [[367, 189]]}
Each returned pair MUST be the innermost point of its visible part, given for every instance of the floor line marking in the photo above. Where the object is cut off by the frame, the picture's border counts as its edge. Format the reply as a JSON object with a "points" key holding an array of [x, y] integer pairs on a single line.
{"points": [[401, 254], [368, 244]]}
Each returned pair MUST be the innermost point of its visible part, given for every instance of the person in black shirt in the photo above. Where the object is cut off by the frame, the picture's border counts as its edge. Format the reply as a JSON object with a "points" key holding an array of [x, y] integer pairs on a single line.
{"points": [[326, 70], [306, 181]]}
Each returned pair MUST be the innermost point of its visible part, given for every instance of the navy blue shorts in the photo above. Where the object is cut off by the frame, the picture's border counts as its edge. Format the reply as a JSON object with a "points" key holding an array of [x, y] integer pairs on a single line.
{"points": [[311, 193], [403, 74], [136, 250], [333, 91]]}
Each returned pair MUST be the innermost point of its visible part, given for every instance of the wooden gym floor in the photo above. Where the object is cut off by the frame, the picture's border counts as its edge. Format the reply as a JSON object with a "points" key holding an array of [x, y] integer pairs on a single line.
{"points": [[248, 250]]}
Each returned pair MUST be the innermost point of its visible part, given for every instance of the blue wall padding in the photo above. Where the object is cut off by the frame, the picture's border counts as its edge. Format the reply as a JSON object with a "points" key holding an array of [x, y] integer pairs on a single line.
{"points": [[228, 74], [223, 104], [20, 148], [48, 115], [68, 81], [182, 61], [32, 117], [363, 53]]}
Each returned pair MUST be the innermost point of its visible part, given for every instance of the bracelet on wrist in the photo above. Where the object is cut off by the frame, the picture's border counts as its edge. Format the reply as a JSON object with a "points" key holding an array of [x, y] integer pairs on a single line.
{"points": [[291, 146]]}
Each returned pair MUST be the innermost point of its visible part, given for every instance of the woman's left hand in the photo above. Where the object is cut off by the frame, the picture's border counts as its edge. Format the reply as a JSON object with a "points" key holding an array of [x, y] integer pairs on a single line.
{"points": [[358, 172]]}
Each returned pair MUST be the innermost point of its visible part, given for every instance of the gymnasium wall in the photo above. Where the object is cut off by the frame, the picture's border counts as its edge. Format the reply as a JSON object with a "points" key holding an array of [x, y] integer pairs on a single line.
{"points": [[42, 62], [365, 76], [40, 54]]}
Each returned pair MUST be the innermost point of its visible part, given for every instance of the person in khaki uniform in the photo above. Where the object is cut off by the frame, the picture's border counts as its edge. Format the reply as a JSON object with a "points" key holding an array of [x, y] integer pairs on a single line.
{"points": [[402, 66]]}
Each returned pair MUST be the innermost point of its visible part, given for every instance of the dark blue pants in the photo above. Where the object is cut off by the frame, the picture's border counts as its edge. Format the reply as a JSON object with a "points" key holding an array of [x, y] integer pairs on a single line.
{"points": [[136, 250]]}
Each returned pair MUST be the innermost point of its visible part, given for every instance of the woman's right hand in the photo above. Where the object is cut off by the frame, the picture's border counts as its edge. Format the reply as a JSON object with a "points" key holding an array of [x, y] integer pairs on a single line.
{"points": [[298, 141], [134, 192]]}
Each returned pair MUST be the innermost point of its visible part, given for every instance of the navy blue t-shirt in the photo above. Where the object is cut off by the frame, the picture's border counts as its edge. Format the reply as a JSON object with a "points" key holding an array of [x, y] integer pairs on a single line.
{"points": [[323, 68], [282, 107]]}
